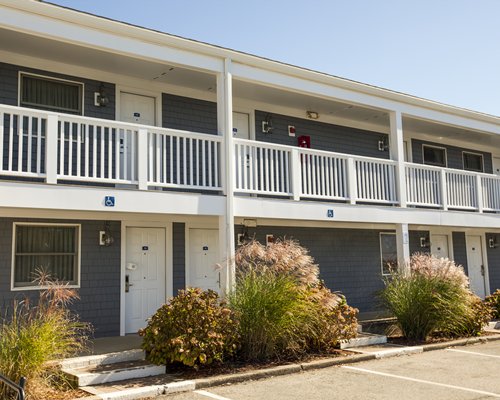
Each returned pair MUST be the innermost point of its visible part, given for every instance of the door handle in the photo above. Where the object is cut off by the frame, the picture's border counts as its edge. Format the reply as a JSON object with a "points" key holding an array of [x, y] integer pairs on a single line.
{"points": [[482, 270], [127, 284], [218, 280]]}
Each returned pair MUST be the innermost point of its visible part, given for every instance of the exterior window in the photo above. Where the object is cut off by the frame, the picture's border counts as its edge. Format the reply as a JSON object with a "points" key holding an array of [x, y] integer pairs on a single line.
{"points": [[473, 161], [50, 94], [51, 248], [388, 253], [434, 155]]}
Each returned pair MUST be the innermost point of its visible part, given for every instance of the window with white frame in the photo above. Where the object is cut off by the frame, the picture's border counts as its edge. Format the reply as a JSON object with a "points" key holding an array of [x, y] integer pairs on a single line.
{"points": [[50, 94], [433, 155], [54, 249], [388, 252], [473, 161]]}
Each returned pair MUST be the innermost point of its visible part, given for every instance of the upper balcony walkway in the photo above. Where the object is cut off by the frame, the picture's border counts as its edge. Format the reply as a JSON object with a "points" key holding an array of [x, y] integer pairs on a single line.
{"points": [[60, 148]]}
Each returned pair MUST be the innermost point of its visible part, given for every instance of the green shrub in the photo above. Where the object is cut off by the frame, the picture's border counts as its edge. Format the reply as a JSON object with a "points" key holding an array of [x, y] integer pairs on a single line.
{"points": [[36, 333], [194, 328], [283, 308], [433, 298], [493, 301]]}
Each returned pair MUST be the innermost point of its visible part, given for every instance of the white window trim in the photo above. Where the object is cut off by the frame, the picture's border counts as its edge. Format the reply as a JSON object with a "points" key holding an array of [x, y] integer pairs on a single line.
{"points": [[51, 78], [435, 147], [38, 287], [475, 154], [381, 255]]}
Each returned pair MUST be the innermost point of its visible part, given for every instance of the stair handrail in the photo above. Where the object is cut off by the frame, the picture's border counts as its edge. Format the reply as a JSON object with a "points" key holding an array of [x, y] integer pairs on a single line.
{"points": [[19, 388]]}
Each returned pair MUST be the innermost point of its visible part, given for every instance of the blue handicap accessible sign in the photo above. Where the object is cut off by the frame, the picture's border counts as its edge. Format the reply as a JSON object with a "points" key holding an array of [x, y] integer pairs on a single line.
{"points": [[109, 201]]}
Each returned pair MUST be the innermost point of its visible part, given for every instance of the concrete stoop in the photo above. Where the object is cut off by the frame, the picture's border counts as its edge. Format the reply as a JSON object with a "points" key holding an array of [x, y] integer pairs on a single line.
{"points": [[364, 339], [105, 368]]}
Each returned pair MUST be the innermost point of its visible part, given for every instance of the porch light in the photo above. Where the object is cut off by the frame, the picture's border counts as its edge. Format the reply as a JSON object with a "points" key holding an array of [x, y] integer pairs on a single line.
{"points": [[100, 98], [267, 124], [424, 242], [383, 144], [492, 242], [105, 237]]}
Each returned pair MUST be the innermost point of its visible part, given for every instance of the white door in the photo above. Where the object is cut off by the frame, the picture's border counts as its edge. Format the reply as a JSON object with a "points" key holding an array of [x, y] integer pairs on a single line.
{"points": [[475, 265], [203, 259], [496, 165], [144, 275], [137, 109], [439, 246], [241, 125]]}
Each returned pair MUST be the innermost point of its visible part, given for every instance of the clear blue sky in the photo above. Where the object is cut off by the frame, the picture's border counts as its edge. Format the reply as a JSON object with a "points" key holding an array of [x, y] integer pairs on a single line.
{"points": [[443, 50]]}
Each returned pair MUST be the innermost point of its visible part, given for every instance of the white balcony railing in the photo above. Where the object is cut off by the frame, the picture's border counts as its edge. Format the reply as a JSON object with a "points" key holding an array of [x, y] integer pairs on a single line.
{"points": [[264, 168], [54, 147]]}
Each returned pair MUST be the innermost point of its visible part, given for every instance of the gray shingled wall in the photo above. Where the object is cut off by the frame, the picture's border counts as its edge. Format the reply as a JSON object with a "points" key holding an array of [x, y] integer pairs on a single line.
{"points": [[189, 114], [493, 262], [179, 256], [328, 137], [99, 293], [453, 154], [460, 249]]}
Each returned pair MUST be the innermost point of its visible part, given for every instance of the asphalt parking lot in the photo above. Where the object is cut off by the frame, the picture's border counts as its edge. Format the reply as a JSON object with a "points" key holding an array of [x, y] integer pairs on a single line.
{"points": [[465, 372]]}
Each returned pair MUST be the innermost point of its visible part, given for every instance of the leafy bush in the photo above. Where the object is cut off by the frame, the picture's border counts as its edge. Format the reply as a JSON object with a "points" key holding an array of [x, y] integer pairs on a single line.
{"points": [[193, 328], [283, 308], [433, 297], [36, 333], [493, 301]]}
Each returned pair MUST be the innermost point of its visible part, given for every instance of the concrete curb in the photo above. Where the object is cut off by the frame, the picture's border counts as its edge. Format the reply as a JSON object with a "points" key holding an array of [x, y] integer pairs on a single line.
{"points": [[203, 383], [460, 342]]}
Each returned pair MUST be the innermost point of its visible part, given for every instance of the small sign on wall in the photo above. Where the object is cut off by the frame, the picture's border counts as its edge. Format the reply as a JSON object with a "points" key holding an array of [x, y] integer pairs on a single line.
{"points": [[109, 201], [330, 213]]}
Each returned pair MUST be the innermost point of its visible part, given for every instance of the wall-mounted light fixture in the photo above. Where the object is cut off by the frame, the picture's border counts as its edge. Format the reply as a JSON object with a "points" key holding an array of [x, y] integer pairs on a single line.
{"points": [[105, 236], [424, 242], [267, 124], [492, 242], [383, 144], [100, 98], [312, 114], [269, 239]]}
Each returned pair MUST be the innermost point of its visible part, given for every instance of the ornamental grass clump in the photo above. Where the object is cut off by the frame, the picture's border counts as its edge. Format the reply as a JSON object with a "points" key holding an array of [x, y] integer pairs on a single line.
{"points": [[194, 328], [283, 308], [433, 297], [33, 333]]}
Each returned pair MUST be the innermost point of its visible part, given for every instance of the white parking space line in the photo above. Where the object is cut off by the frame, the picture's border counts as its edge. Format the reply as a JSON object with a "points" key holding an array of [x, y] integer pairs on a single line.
{"points": [[211, 395], [474, 353], [423, 381]]}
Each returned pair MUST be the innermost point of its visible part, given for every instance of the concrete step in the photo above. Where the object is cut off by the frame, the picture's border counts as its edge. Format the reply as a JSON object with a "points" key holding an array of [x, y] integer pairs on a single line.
{"points": [[102, 359], [364, 339], [112, 372]]}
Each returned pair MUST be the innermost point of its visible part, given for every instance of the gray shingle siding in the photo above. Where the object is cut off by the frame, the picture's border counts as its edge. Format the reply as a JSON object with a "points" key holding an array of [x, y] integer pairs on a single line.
{"points": [[415, 242], [179, 256], [453, 155], [9, 89], [99, 290], [328, 137], [189, 114], [493, 255], [460, 249]]}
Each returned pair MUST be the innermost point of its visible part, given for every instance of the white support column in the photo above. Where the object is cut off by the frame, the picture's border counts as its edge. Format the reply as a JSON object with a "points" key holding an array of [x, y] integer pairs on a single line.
{"points": [[403, 246], [51, 161], [352, 185], [397, 151], [479, 192], [296, 174], [225, 128], [142, 159], [443, 190]]}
